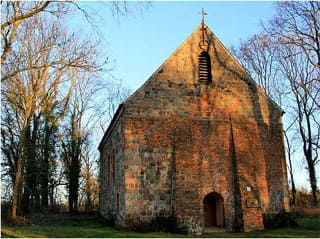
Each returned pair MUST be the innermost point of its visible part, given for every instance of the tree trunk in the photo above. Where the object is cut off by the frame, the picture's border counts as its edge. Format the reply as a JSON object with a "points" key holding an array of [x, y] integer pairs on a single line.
{"points": [[308, 154], [16, 191], [88, 201], [31, 197], [44, 186], [293, 186], [18, 173], [45, 170], [293, 190], [313, 182], [70, 197]]}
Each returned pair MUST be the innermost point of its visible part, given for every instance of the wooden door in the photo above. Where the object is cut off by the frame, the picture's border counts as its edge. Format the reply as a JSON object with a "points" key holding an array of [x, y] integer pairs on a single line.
{"points": [[210, 210]]}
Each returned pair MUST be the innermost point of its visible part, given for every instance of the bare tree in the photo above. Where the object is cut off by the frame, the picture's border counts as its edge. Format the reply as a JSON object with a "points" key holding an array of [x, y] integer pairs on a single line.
{"points": [[9, 146], [296, 28], [290, 151], [41, 79], [257, 55], [124, 8], [304, 86], [298, 23], [89, 186], [14, 13], [106, 103], [40, 70], [72, 148], [76, 135]]}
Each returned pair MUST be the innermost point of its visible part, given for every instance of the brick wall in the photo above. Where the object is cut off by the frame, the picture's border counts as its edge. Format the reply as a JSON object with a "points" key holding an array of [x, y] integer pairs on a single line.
{"points": [[183, 140]]}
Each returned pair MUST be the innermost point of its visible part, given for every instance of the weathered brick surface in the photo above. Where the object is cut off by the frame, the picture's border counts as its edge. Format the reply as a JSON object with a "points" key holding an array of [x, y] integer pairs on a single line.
{"points": [[112, 178], [178, 140]]}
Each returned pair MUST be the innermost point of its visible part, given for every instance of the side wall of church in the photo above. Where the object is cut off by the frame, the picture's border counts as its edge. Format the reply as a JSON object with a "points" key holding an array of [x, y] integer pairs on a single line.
{"points": [[112, 181]]}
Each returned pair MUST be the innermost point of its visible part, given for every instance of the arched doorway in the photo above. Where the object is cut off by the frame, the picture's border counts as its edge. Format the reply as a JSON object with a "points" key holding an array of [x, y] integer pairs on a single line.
{"points": [[213, 210]]}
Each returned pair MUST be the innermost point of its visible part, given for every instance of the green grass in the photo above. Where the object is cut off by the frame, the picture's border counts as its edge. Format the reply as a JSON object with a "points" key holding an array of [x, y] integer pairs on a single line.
{"points": [[91, 227], [67, 231], [74, 226], [309, 222]]}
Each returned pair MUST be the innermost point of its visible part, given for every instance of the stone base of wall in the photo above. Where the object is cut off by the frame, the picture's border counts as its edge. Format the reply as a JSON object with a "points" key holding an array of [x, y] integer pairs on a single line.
{"points": [[190, 226]]}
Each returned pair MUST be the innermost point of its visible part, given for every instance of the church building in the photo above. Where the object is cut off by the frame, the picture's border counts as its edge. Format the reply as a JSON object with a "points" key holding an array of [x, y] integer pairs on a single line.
{"points": [[199, 140]]}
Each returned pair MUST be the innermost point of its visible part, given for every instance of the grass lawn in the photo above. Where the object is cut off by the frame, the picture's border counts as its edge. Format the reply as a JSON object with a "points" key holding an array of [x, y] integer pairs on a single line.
{"points": [[73, 226], [89, 226]]}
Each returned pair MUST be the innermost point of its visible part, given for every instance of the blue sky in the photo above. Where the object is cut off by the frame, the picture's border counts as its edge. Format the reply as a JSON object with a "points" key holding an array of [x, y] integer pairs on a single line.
{"points": [[140, 43]]}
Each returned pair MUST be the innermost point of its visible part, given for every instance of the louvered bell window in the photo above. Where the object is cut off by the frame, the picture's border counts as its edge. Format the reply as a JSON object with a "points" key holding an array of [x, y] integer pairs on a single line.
{"points": [[204, 68]]}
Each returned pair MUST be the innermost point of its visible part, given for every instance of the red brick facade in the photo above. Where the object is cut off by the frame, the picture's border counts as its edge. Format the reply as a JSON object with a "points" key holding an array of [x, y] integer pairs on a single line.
{"points": [[209, 151]]}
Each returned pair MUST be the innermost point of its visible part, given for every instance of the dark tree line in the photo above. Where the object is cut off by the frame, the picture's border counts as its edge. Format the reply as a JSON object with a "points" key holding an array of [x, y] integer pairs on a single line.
{"points": [[50, 77]]}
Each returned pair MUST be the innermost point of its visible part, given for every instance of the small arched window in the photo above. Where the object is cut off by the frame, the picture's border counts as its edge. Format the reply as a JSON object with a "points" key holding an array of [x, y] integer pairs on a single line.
{"points": [[204, 68]]}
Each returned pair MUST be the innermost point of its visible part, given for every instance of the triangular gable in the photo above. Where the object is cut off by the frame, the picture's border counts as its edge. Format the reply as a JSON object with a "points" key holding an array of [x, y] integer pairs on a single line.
{"points": [[184, 62]]}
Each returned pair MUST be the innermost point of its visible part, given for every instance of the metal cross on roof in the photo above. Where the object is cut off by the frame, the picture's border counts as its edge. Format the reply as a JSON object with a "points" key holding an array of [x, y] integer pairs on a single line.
{"points": [[203, 44], [203, 13]]}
